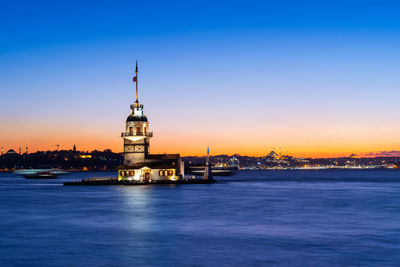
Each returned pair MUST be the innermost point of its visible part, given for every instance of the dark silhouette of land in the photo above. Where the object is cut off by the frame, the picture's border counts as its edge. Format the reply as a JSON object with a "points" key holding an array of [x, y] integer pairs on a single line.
{"points": [[65, 159], [107, 160]]}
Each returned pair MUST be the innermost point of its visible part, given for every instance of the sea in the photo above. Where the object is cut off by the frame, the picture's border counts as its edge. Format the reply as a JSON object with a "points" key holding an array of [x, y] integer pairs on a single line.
{"points": [[254, 218]]}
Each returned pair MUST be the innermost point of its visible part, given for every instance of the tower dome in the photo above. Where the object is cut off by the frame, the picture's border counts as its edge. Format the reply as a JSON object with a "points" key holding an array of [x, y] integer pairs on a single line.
{"points": [[134, 117], [11, 151]]}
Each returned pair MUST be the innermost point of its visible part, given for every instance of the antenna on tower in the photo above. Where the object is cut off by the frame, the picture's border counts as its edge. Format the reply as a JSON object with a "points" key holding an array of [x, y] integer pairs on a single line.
{"points": [[135, 79]]}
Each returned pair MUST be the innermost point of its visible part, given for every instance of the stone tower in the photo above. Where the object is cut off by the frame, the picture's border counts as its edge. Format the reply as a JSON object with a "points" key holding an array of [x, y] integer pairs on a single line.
{"points": [[137, 135]]}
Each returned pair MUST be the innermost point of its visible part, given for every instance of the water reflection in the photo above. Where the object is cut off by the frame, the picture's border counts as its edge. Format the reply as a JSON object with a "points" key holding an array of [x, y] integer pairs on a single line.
{"points": [[258, 218], [139, 211]]}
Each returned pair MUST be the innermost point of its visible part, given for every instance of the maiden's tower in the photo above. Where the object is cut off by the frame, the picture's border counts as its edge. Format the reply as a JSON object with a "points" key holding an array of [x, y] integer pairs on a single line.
{"points": [[139, 164]]}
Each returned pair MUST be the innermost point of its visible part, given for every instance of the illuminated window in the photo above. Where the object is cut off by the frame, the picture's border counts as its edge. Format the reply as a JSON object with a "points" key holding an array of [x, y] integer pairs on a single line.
{"points": [[166, 172]]}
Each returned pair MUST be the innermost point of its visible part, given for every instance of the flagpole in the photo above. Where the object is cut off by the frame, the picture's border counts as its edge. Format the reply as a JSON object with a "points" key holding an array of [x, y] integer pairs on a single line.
{"points": [[137, 94]]}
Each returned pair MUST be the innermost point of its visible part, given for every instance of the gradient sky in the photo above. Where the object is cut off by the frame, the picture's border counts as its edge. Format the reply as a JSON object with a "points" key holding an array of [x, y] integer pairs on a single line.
{"points": [[311, 78]]}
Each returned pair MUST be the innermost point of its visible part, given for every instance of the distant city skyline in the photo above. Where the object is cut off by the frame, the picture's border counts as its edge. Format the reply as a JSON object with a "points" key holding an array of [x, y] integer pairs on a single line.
{"points": [[311, 78], [377, 154]]}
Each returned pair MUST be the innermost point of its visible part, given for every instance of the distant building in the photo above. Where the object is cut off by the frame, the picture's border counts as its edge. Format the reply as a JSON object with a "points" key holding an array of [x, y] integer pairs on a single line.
{"points": [[272, 157], [85, 156], [233, 162], [139, 164], [11, 152]]}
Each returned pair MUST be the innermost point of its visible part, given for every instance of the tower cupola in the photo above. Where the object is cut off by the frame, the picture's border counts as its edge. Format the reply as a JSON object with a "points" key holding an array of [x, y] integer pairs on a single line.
{"points": [[136, 114]]}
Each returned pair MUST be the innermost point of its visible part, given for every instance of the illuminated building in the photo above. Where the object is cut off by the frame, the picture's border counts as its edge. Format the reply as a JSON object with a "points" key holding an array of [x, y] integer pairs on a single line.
{"points": [[86, 156], [272, 156], [233, 162], [139, 164]]}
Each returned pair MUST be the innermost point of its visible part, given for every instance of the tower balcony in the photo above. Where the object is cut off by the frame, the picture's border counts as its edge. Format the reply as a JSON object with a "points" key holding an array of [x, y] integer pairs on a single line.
{"points": [[137, 134]]}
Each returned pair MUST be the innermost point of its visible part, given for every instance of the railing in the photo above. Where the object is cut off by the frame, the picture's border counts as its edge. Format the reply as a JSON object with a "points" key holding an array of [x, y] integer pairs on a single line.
{"points": [[147, 134]]}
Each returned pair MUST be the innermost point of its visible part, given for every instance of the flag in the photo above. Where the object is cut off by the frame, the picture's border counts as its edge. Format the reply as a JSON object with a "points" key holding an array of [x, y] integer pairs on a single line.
{"points": [[134, 79]]}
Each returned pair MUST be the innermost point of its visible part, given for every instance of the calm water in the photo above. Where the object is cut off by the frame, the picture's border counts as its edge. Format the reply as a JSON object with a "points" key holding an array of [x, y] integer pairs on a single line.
{"points": [[286, 218]]}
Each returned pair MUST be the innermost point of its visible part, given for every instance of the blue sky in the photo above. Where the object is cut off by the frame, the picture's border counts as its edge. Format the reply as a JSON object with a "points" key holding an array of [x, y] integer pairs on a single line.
{"points": [[313, 77]]}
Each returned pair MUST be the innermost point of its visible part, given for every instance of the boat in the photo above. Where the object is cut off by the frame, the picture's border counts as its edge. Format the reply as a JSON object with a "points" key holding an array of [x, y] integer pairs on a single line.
{"points": [[40, 175], [216, 171]]}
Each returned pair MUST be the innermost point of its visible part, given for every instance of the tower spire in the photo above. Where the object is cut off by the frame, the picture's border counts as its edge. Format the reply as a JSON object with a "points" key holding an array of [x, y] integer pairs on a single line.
{"points": [[136, 80]]}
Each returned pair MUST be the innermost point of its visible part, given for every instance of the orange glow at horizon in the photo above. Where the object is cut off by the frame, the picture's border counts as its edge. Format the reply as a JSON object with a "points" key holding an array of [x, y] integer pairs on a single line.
{"points": [[300, 137], [194, 144]]}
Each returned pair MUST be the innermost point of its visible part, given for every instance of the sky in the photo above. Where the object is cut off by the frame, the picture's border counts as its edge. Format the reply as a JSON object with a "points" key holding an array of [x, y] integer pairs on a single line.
{"points": [[307, 78]]}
